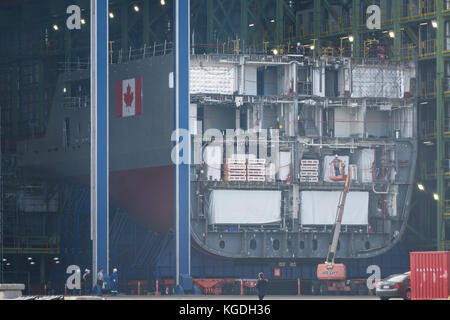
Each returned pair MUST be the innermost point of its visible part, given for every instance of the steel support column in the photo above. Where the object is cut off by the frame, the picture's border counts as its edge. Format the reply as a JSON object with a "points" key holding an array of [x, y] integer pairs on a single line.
{"points": [[210, 11], [279, 31], [99, 136], [182, 102], [244, 21], [146, 23], [317, 23], [397, 29], [356, 15], [440, 116], [42, 269], [124, 27]]}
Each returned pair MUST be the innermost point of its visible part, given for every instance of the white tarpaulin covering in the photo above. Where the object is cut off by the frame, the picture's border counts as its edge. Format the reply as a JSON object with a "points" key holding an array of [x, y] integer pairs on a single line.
{"points": [[320, 207], [285, 166], [403, 120], [348, 122], [213, 159], [365, 159], [244, 207]]}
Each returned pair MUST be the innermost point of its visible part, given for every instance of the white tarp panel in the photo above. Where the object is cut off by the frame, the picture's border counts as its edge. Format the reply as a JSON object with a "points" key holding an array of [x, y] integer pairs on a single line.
{"points": [[319, 82], [213, 160], [193, 119], [326, 166], [251, 73], [244, 207], [285, 166], [320, 207], [348, 122], [364, 160], [212, 79], [403, 120]]}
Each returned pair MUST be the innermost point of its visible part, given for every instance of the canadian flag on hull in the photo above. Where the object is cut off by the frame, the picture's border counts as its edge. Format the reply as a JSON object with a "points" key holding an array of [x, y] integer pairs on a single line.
{"points": [[129, 98]]}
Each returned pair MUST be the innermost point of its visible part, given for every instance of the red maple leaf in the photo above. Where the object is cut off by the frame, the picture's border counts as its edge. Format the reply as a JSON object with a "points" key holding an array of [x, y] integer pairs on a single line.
{"points": [[128, 97]]}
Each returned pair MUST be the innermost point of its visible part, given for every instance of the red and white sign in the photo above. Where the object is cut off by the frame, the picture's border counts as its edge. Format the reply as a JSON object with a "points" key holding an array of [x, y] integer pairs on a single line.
{"points": [[277, 272], [129, 98]]}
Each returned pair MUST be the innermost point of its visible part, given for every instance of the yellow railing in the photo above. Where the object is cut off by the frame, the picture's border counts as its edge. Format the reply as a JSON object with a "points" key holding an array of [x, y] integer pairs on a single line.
{"points": [[446, 166], [427, 48], [327, 51], [447, 208], [408, 52], [425, 9], [330, 26], [303, 32], [428, 88], [30, 242], [428, 171], [447, 126], [428, 128]]}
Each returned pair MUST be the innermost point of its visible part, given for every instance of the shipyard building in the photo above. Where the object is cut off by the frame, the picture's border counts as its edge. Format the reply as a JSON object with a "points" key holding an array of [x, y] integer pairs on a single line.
{"points": [[287, 99]]}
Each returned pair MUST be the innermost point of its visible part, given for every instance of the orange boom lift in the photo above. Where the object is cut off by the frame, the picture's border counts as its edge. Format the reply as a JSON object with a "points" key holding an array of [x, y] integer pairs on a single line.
{"points": [[329, 270]]}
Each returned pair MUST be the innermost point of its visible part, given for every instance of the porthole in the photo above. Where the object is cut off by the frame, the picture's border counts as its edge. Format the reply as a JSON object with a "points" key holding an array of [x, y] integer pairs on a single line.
{"points": [[302, 245], [276, 244]]}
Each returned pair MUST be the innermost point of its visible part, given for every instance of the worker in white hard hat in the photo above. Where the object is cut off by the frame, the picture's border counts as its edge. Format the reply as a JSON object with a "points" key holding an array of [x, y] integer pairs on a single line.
{"points": [[114, 283]]}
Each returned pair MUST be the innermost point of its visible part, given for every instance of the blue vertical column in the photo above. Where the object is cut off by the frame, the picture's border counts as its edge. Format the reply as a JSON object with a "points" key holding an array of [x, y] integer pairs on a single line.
{"points": [[182, 101], [99, 136]]}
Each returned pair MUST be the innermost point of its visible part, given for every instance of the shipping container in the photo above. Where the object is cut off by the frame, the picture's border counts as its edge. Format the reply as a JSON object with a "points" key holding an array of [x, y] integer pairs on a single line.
{"points": [[429, 275]]}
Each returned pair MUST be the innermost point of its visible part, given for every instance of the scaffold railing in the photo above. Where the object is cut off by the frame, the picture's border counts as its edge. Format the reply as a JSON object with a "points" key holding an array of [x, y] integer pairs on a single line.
{"points": [[427, 48], [30, 243], [447, 208], [428, 128], [418, 9]]}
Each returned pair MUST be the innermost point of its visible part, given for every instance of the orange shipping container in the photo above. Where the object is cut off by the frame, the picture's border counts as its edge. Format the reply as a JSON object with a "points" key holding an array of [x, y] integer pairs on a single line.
{"points": [[430, 275]]}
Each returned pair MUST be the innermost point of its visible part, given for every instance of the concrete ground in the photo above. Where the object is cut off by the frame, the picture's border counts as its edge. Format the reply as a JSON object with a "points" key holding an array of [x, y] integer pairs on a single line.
{"points": [[230, 298]]}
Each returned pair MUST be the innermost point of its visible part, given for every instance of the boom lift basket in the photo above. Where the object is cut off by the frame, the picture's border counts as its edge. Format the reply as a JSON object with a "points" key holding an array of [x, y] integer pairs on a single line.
{"points": [[336, 272]]}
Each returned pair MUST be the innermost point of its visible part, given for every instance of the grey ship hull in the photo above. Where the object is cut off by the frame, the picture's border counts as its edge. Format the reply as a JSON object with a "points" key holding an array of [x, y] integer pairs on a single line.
{"points": [[142, 173]]}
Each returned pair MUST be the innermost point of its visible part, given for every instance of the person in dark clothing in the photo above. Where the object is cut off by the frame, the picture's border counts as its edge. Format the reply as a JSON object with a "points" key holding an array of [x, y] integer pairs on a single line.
{"points": [[261, 286], [100, 280], [87, 282]]}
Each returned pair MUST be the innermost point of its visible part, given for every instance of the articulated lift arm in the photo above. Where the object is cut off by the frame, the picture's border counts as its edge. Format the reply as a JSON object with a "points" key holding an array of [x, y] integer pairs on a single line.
{"points": [[337, 225], [328, 271]]}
